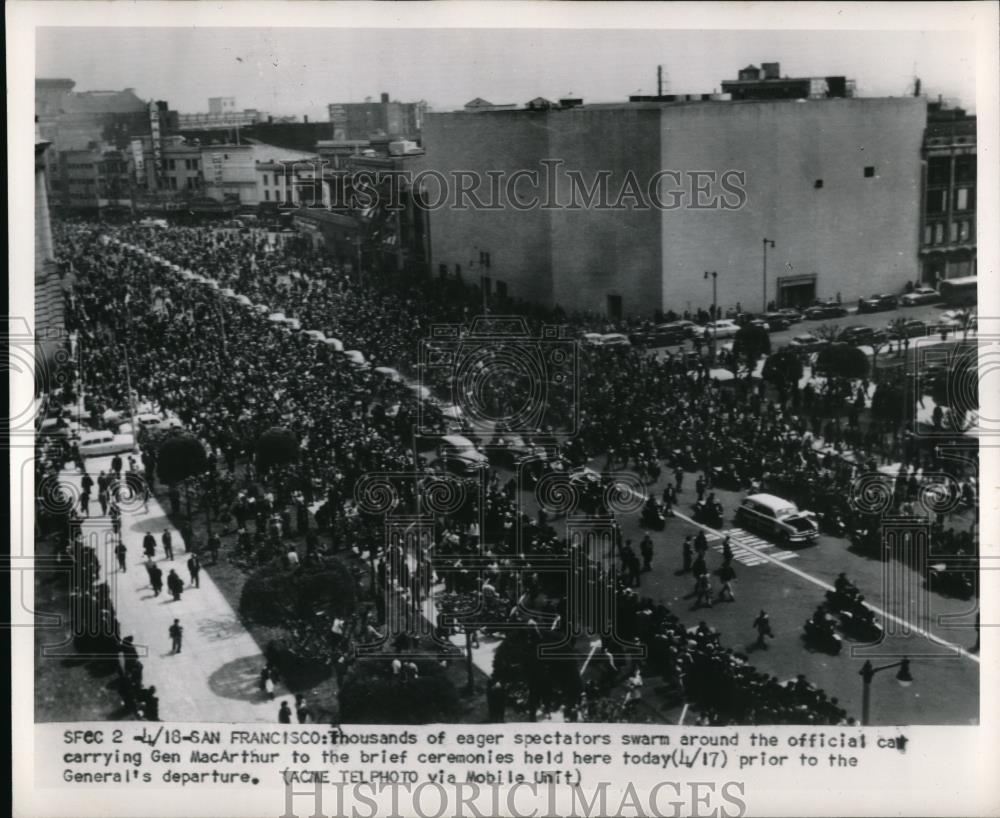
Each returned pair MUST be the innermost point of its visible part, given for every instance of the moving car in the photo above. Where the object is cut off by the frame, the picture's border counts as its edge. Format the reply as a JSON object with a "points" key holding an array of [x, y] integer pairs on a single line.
{"points": [[460, 453], [831, 309], [777, 519], [511, 448], [920, 295], [809, 343], [878, 303], [101, 444], [614, 339], [724, 328], [776, 321], [792, 314], [672, 332], [861, 336], [908, 329]]}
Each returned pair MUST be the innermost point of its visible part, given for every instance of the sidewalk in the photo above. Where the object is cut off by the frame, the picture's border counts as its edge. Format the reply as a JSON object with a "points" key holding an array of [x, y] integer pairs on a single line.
{"points": [[216, 676]]}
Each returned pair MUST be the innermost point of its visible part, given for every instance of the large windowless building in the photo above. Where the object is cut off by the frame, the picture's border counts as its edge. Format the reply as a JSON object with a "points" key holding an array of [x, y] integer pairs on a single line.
{"points": [[676, 189]]}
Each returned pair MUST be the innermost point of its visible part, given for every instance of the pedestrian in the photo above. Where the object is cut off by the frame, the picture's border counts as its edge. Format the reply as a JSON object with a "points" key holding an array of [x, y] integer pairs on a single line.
{"points": [[176, 635], [150, 705], [175, 585], [149, 545], [703, 591], [727, 576], [121, 551], [701, 543], [646, 549], [156, 579], [727, 551], [699, 566], [116, 464], [496, 701], [168, 544], [301, 709], [194, 569], [699, 487], [763, 625], [285, 713], [85, 502], [679, 478], [688, 552]]}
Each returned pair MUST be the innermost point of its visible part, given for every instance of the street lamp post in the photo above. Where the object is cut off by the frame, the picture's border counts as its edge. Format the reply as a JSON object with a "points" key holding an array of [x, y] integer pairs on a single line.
{"points": [[766, 242], [867, 673], [715, 310]]}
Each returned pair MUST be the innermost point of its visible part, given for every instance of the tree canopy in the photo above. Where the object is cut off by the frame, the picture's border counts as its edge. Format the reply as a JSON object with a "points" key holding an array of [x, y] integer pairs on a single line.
{"points": [[784, 368], [180, 456], [842, 361], [273, 595], [277, 447], [371, 694]]}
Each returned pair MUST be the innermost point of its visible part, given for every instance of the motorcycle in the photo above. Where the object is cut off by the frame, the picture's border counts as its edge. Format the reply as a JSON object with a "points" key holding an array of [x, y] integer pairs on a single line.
{"points": [[653, 516], [823, 637], [854, 616], [708, 513], [953, 583]]}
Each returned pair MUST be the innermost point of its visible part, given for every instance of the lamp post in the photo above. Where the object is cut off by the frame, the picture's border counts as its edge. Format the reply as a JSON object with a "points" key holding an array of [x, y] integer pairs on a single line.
{"points": [[763, 303], [867, 673], [715, 275]]}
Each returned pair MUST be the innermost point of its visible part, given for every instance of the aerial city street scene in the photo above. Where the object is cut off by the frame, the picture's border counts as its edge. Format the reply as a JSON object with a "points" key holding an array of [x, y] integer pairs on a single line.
{"points": [[390, 381]]}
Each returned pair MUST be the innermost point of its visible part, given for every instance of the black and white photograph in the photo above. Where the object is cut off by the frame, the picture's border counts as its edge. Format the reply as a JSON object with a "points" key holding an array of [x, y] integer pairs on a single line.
{"points": [[527, 378]]}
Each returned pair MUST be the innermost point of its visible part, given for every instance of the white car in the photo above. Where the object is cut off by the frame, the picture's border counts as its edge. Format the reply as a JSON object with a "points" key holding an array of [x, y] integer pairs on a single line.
{"points": [[615, 339], [461, 454], [778, 519], [101, 444], [724, 328], [920, 295]]}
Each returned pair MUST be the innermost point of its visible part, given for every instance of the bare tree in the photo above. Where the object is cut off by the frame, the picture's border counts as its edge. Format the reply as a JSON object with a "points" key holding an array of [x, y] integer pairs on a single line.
{"points": [[828, 332]]}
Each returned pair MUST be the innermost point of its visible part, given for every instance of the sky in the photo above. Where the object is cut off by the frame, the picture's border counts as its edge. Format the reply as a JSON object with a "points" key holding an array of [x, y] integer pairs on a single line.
{"points": [[292, 71]]}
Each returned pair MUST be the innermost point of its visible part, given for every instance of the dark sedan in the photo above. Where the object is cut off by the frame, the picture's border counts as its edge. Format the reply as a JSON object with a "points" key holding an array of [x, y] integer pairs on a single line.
{"points": [[777, 321], [829, 310], [862, 336], [879, 302], [909, 329]]}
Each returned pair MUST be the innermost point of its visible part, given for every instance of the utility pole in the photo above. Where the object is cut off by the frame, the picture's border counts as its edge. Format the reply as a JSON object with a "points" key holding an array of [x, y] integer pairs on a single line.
{"points": [[715, 318], [659, 80], [767, 242]]}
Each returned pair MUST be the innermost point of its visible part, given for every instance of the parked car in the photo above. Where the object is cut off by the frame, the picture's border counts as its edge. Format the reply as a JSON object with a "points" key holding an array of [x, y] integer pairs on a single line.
{"points": [[792, 314], [776, 321], [861, 336], [614, 339], [723, 328], [512, 448], [878, 303], [103, 443], [778, 519], [460, 454], [831, 309], [920, 295], [674, 332]]}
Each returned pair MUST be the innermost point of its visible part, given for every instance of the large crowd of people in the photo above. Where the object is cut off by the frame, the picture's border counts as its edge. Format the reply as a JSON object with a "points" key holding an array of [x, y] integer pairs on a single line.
{"points": [[229, 374]]}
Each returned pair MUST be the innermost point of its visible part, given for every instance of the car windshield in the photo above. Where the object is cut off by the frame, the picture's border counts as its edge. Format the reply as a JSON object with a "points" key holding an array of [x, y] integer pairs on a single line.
{"points": [[787, 511]]}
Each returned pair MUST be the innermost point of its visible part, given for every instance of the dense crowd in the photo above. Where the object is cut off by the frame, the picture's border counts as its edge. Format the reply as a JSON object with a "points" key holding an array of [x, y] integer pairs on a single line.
{"points": [[230, 374]]}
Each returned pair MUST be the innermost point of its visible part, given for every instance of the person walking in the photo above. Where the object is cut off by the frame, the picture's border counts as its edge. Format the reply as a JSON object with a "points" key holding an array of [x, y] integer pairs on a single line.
{"points": [[150, 705], [121, 551], [175, 585], [701, 544], [301, 709], [763, 625], [679, 478], [156, 578], [285, 713], [168, 544], [688, 552], [646, 549], [727, 551], [194, 569], [116, 464], [214, 544], [703, 591], [699, 487], [176, 636], [149, 545], [727, 576]]}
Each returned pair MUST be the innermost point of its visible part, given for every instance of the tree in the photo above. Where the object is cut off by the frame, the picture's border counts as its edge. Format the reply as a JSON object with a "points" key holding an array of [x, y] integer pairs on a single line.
{"points": [[275, 595], [842, 362], [828, 332], [783, 369], [889, 404], [532, 680], [878, 343], [750, 343], [181, 457], [277, 447], [372, 694]]}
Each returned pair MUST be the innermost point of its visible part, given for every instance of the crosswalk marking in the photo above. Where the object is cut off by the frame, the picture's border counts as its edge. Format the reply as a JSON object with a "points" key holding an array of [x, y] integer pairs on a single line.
{"points": [[738, 537]]}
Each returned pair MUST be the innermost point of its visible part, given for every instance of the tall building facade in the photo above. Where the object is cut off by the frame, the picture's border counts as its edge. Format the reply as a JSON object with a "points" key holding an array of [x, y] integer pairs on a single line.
{"points": [[948, 207], [835, 183], [361, 120]]}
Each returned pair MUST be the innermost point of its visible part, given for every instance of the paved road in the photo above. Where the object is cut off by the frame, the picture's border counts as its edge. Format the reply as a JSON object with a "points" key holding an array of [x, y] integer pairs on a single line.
{"points": [[215, 677]]}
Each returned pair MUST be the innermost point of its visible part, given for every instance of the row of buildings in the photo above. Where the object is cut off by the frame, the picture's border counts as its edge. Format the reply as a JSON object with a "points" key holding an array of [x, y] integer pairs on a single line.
{"points": [[856, 193]]}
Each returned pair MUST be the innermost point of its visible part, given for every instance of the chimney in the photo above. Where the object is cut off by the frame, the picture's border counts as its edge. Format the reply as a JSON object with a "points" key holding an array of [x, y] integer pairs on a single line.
{"points": [[772, 70], [385, 98], [305, 118]]}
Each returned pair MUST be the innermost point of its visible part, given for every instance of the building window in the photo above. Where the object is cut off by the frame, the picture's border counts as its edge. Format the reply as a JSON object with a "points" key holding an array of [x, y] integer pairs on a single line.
{"points": [[953, 232], [965, 169], [935, 201], [267, 195], [963, 231], [938, 171], [818, 184], [265, 179], [170, 164], [869, 171], [939, 233], [964, 198], [928, 234]]}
